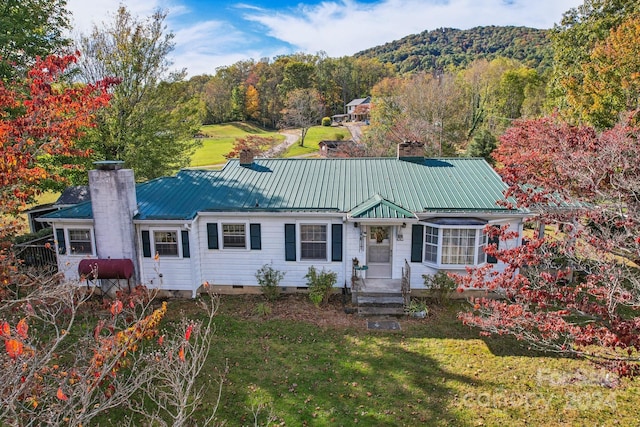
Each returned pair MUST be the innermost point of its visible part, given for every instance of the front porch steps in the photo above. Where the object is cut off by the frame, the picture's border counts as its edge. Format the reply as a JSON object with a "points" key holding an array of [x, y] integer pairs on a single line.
{"points": [[379, 304]]}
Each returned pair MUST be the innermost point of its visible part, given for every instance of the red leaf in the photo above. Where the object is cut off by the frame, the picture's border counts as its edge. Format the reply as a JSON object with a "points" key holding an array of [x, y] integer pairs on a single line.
{"points": [[5, 329], [22, 328], [14, 348], [60, 395], [116, 307]]}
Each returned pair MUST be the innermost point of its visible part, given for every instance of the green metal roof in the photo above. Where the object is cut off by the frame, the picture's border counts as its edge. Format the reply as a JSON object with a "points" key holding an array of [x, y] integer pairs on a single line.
{"points": [[363, 187]]}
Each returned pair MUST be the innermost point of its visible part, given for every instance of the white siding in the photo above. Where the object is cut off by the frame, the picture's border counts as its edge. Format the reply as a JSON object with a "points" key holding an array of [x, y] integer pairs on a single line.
{"points": [[224, 267], [233, 266], [168, 272], [68, 262]]}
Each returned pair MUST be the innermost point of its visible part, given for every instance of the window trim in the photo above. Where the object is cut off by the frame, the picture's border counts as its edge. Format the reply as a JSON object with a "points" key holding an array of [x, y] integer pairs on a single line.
{"points": [[327, 241], [178, 243], [479, 243], [69, 246], [222, 234]]}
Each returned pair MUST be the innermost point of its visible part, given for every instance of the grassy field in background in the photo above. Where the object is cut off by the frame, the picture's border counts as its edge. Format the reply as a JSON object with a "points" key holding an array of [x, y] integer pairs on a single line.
{"points": [[434, 372], [313, 138], [219, 140]]}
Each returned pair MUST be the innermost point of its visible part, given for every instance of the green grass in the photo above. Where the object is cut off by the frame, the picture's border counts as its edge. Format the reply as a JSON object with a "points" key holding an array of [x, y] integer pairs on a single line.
{"points": [[219, 141], [313, 138], [434, 372]]}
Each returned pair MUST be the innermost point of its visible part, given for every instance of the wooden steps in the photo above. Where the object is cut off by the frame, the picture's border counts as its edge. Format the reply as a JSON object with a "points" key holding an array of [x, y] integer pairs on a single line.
{"points": [[379, 304]]}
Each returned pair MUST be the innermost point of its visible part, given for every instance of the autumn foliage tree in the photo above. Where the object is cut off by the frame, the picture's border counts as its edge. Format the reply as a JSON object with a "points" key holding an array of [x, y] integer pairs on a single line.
{"points": [[39, 118], [254, 144], [575, 291], [612, 76]]}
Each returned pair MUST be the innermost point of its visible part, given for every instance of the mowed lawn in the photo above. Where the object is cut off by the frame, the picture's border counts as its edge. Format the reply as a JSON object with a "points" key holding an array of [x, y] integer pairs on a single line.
{"points": [[321, 367], [313, 138], [219, 140]]}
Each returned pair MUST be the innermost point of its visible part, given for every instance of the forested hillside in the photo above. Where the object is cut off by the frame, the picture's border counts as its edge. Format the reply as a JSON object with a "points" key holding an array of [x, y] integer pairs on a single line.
{"points": [[446, 47]]}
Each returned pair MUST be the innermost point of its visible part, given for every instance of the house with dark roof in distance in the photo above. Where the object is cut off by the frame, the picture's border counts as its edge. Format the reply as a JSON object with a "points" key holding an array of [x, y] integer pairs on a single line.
{"points": [[401, 217], [70, 196]]}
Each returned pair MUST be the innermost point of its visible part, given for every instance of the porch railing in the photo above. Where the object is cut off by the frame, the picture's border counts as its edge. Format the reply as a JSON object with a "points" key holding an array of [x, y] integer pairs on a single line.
{"points": [[406, 283], [39, 254]]}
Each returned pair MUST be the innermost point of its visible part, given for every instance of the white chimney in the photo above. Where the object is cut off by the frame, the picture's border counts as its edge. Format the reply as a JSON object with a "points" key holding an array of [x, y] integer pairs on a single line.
{"points": [[114, 204]]}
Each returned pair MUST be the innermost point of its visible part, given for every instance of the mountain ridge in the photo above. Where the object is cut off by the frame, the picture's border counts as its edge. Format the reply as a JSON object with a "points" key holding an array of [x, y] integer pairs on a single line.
{"points": [[444, 48]]}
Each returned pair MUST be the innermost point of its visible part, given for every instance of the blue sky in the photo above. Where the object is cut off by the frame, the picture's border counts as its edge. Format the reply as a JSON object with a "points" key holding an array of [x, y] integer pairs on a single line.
{"points": [[210, 34]]}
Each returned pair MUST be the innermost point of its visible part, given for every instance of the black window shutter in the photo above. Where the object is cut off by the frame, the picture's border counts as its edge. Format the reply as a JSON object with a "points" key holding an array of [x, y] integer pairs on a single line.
{"points": [[186, 252], [417, 239], [290, 242], [495, 240], [255, 237], [62, 244], [336, 242], [146, 244], [212, 235]]}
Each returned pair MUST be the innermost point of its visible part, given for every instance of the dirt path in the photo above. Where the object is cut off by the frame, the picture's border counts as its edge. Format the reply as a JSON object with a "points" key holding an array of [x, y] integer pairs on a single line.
{"points": [[291, 136], [355, 129]]}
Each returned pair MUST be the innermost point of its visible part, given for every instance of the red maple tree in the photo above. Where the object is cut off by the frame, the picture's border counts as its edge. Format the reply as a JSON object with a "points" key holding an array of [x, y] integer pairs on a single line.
{"points": [[41, 116], [575, 290]]}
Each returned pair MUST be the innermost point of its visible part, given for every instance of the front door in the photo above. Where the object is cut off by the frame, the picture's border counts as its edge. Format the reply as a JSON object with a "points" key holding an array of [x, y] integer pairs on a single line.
{"points": [[379, 252]]}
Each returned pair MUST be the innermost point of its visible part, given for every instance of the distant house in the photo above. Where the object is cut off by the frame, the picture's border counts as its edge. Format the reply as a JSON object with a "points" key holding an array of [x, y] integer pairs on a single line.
{"points": [[70, 196], [358, 109], [402, 217]]}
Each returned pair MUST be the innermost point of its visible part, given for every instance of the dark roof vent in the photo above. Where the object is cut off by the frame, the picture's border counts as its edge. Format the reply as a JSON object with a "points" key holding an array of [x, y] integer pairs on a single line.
{"points": [[109, 165]]}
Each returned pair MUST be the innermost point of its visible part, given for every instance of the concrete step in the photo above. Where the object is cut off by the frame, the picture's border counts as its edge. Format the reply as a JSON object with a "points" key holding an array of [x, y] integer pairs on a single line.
{"points": [[380, 311], [377, 300]]}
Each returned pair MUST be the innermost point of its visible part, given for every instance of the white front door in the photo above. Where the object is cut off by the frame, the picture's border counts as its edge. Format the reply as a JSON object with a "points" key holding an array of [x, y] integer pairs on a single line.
{"points": [[379, 252]]}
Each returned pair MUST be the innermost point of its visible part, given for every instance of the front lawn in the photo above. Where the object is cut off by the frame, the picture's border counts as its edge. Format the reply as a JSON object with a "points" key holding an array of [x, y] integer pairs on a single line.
{"points": [[218, 140], [321, 367]]}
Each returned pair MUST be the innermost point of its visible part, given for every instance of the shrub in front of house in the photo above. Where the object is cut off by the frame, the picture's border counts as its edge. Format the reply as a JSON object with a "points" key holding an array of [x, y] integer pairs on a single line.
{"points": [[326, 121], [269, 280], [441, 285], [320, 285]]}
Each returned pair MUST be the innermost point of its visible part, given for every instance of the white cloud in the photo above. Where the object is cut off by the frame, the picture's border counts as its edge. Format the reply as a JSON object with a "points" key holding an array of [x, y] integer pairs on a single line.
{"points": [[344, 27]]}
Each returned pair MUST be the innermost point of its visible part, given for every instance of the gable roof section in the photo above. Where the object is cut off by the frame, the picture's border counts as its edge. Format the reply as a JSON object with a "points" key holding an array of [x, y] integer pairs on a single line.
{"points": [[377, 207], [359, 101], [366, 186]]}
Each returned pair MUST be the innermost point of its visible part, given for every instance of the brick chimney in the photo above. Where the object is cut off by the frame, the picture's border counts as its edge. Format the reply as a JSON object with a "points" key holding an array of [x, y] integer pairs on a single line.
{"points": [[411, 151], [113, 200], [246, 157]]}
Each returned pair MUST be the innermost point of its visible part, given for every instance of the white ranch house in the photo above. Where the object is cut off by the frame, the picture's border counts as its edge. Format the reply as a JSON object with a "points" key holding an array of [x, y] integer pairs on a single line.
{"points": [[221, 226]]}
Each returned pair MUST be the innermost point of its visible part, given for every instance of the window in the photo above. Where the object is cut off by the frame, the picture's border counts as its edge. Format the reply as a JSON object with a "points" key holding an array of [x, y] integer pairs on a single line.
{"points": [[80, 242], [313, 242], [455, 246], [482, 243], [233, 236], [431, 244], [458, 246], [166, 243]]}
